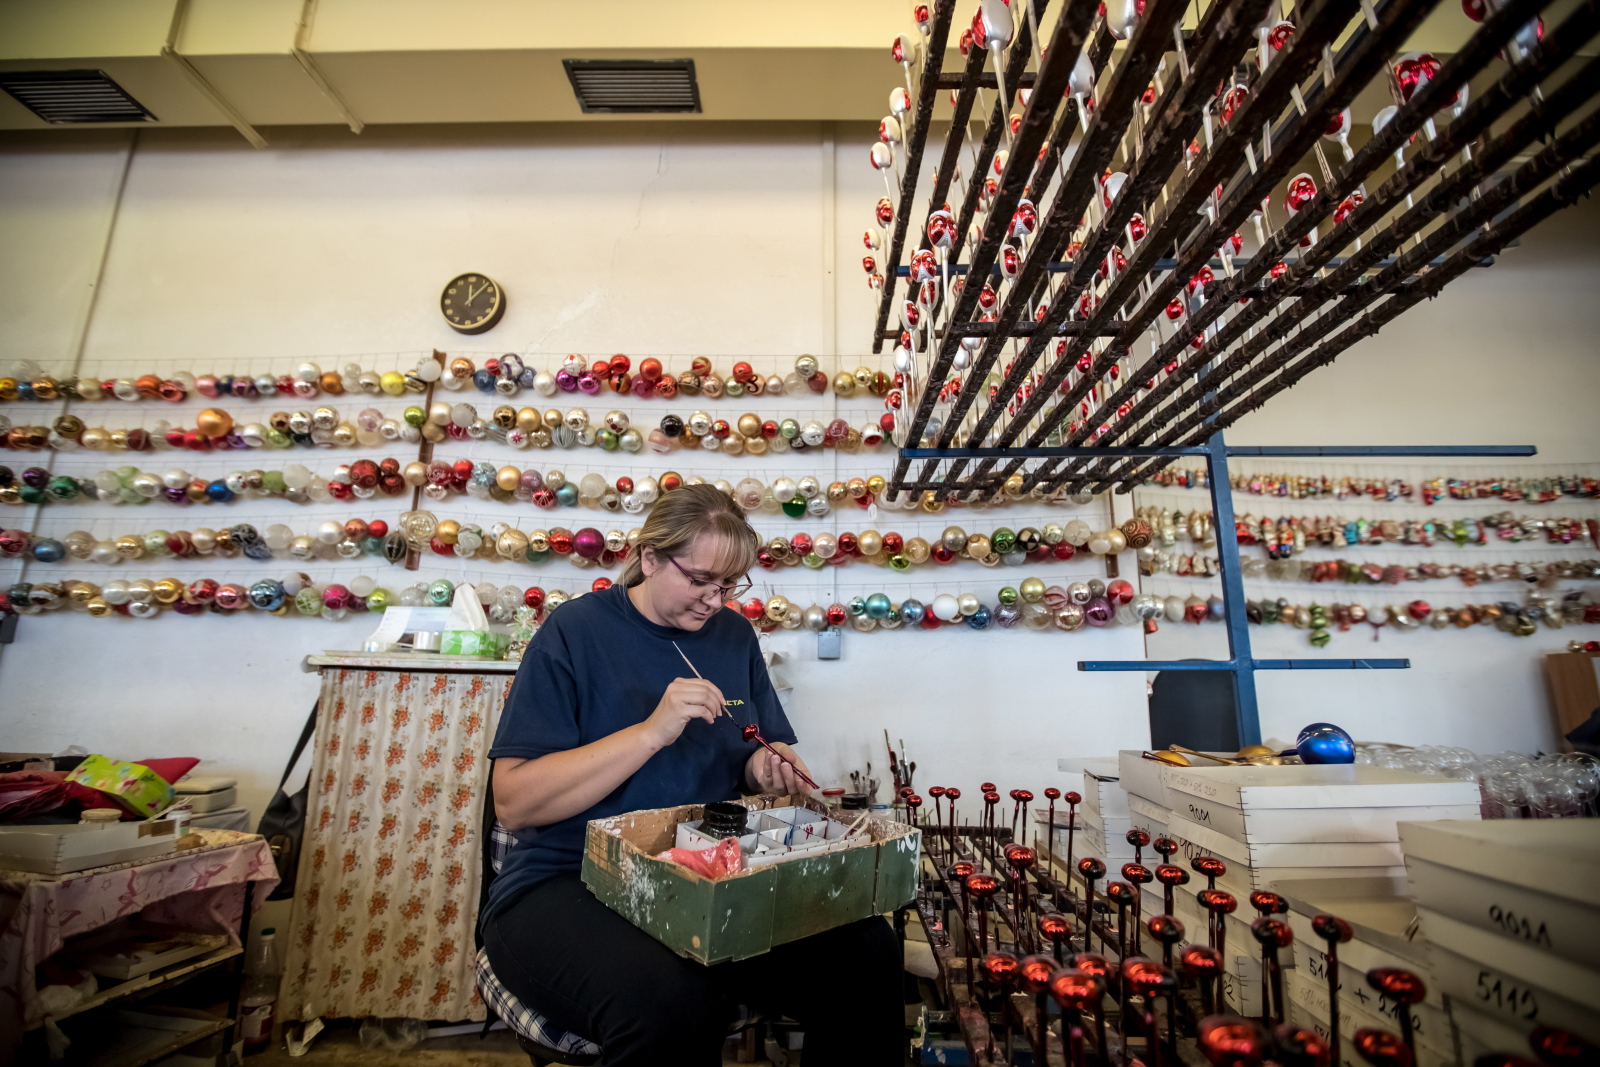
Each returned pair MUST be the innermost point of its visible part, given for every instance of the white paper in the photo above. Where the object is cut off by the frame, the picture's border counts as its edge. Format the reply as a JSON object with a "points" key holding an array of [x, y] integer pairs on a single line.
{"points": [[466, 610], [398, 621]]}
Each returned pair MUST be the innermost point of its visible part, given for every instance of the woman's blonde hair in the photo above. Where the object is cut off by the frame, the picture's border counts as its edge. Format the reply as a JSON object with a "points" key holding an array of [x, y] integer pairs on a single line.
{"points": [[682, 515]]}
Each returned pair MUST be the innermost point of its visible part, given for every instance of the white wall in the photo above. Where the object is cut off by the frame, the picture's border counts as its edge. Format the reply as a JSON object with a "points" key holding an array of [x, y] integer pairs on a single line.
{"points": [[674, 240]]}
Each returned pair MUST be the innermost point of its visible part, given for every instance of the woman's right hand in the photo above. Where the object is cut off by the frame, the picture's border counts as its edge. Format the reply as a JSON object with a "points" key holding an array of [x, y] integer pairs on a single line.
{"points": [[685, 699]]}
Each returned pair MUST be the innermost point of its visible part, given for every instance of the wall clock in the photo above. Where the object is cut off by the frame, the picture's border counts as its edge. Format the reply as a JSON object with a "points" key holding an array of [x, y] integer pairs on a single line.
{"points": [[472, 303]]}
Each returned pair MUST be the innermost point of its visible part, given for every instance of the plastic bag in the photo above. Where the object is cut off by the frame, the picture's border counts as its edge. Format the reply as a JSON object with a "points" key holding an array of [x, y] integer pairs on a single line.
{"points": [[392, 1035], [718, 862]]}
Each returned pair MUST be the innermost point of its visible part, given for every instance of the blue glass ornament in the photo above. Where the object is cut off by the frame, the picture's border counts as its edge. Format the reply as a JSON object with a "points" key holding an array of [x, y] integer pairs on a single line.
{"points": [[1323, 742], [266, 595], [48, 550]]}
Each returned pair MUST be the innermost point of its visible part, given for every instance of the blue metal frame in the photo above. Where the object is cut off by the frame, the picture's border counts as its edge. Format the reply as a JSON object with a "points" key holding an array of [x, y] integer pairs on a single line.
{"points": [[1241, 664]]}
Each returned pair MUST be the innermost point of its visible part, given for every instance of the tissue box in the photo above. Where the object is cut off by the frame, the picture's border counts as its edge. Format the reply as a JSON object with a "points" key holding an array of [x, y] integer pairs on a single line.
{"points": [[745, 914], [133, 785], [484, 644]]}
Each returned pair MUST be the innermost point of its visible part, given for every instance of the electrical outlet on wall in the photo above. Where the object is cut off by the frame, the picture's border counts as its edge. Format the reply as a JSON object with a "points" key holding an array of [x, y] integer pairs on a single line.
{"points": [[828, 643]]}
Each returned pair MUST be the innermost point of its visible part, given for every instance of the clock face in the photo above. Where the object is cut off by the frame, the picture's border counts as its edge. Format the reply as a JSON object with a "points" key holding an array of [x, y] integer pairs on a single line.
{"points": [[472, 303]]}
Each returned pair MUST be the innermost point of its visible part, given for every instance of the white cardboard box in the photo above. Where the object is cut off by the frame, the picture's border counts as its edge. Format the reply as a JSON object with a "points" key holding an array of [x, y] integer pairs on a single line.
{"points": [[1241, 878], [1542, 920], [1148, 816], [1430, 1025], [1508, 998], [1104, 795], [1316, 786], [1285, 854], [1381, 918], [206, 793], [1558, 857], [1302, 825], [1521, 962], [1479, 1034], [64, 848], [1144, 776]]}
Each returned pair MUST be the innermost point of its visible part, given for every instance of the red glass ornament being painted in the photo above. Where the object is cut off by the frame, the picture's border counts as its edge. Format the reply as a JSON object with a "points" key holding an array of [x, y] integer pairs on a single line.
{"points": [[752, 732]]}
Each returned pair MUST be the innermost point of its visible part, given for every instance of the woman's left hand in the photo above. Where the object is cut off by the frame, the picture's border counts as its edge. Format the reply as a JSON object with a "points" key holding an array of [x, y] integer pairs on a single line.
{"points": [[769, 774]]}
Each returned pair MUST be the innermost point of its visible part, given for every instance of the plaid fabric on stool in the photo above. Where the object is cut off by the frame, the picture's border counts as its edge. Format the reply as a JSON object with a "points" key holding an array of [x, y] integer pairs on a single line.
{"points": [[522, 1019]]}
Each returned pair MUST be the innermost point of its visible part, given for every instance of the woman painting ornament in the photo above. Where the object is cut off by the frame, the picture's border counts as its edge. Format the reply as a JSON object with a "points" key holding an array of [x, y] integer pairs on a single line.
{"points": [[607, 716]]}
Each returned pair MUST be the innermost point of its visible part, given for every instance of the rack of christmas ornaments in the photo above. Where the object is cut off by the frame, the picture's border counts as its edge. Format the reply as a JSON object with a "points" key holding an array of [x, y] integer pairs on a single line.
{"points": [[137, 488], [1403, 545], [1161, 220]]}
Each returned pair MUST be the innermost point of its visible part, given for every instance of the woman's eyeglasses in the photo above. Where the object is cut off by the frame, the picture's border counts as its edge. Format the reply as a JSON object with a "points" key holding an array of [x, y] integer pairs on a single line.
{"points": [[700, 587]]}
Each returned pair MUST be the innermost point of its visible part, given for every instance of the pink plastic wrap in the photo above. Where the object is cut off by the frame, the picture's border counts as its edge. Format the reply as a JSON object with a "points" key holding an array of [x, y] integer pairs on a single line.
{"points": [[718, 862]]}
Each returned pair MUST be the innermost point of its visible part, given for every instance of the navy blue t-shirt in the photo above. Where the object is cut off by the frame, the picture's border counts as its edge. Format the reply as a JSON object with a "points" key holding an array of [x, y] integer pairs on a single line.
{"points": [[598, 666]]}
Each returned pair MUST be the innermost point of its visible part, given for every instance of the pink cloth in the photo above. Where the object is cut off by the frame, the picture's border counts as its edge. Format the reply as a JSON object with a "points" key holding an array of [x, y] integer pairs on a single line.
{"points": [[202, 889]]}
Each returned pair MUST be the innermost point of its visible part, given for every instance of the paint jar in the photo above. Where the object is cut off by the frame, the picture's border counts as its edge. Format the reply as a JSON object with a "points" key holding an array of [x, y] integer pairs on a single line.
{"points": [[724, 819]]}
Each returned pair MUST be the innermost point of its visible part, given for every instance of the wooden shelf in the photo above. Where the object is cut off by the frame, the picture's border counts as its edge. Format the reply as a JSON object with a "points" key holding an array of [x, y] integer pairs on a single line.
{"points": [[155, 978], [123, 1042]]}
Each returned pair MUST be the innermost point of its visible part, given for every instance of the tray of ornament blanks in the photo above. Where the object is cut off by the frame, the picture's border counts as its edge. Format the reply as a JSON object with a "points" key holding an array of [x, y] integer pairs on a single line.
{"points": [[829, 884], [775, 835]]}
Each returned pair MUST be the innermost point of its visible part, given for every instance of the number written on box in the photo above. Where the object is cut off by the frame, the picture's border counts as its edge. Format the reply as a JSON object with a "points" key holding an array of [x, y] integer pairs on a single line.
{"points": [[1508, 998], [1519, 926]]}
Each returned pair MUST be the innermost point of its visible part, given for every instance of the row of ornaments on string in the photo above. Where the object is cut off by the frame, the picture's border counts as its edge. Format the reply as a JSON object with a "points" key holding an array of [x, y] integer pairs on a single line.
{"points": [[1511, 489], [1520, 620], [325, 427], [364, 479], [1288, 535], [507, 375], [1158, 561], [422, 531], [1038, 607]]}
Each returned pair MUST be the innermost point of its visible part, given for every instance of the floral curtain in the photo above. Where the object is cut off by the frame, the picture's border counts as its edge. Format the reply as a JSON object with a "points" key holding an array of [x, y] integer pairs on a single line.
{"points": [[390, 865]]}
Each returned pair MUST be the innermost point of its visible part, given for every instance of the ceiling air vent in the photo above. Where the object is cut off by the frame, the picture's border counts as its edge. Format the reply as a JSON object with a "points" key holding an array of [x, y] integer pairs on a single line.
{"points": [[71, 96], [633, 86]]}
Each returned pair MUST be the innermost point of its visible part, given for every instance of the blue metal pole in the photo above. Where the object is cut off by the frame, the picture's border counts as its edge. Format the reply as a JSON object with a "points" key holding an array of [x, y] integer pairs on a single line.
{"points": [[1244, 679], [1103, 665]]}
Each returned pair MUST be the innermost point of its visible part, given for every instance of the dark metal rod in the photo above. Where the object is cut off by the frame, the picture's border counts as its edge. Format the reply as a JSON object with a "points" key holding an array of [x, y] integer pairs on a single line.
{"points": [[944, 12], [1225, 36], [1223, 44], [1484, 110], [1441, 199], [1362, 56], [1215, 263], [1271, 94], [1066, 43], [1457, 227], [1025, 80], [1574, 184]]}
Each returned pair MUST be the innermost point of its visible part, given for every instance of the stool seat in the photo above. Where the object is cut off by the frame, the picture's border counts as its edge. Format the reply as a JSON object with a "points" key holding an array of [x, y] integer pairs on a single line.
{"points": [[548, 1041]]}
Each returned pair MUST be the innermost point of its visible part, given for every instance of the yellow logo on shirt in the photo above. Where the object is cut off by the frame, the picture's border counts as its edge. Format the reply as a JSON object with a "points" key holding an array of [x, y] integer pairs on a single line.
{"points": [[725, 703]]}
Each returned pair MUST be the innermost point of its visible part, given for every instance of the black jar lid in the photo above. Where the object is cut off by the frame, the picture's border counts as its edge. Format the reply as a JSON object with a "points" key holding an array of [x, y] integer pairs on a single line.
{"points": [[725, 819], [854, 801]]}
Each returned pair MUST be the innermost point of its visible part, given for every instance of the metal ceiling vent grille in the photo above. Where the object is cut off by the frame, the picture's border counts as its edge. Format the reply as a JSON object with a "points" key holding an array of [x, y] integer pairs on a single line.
{"points": [[72, 96], [633, 86]]}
